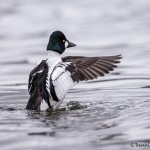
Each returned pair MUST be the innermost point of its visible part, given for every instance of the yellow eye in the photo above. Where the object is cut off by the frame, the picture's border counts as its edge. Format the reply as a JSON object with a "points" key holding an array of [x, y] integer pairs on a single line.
{"points": [[64, 41]]}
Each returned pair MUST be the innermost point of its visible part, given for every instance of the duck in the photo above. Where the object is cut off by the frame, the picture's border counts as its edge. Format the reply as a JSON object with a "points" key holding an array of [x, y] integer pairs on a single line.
{"points": [[51, 79]]}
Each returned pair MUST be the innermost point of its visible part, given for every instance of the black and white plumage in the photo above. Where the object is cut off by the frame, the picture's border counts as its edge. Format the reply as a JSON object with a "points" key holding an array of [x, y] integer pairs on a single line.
{"points": [[51, 79]]}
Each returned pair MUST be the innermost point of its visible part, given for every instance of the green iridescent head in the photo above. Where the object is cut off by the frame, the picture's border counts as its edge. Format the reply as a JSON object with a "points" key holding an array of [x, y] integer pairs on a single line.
{"points": [[58, 42]]}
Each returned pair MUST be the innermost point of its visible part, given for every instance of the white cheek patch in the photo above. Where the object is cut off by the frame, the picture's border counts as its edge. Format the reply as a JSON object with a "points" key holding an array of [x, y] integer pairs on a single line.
{"points": [[66, 44]]}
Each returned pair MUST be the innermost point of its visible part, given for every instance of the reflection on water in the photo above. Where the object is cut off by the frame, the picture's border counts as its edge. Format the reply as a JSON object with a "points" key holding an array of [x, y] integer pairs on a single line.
{"points": [[116, 110]]}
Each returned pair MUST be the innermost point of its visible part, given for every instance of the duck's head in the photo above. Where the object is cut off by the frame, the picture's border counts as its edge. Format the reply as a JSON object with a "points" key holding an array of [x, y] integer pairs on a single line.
{"points": [[58, 42]]}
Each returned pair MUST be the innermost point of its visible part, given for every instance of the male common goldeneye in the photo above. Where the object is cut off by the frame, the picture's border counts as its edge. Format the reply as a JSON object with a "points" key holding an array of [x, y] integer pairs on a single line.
{"points": [[51, 79]]}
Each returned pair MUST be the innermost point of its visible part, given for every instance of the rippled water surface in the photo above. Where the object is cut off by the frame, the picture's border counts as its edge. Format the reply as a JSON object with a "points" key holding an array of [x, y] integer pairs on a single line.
{"points": [[117, 106]]}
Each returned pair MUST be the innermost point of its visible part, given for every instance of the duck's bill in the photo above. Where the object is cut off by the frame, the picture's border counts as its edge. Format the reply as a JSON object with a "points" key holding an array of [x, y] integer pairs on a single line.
{"points": [[71, 44]]}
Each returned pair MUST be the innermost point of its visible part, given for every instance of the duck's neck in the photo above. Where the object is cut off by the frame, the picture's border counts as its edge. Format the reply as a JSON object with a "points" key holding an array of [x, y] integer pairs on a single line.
{"points": [[53, 58]]}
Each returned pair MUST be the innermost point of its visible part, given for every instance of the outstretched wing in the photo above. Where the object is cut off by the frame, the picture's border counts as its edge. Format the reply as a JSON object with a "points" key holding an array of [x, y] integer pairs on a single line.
{"points": [[35, 75], [88, 68], [77, 69]]}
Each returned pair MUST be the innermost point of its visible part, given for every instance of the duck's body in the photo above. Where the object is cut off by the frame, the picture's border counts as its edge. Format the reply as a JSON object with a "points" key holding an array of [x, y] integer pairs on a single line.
{"points": [[51, 79]]}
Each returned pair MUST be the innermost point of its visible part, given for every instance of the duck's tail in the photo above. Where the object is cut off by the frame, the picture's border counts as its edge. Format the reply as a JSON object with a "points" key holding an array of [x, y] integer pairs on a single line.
{"points": [[34, 101]]}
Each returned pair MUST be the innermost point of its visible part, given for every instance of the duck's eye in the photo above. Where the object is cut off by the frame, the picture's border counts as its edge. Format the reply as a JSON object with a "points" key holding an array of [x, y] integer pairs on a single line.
{"points": [[64, 41]]}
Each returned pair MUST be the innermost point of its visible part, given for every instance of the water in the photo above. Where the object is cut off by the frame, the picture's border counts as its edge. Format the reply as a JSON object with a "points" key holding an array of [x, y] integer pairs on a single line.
{"points": [[117, 106]]}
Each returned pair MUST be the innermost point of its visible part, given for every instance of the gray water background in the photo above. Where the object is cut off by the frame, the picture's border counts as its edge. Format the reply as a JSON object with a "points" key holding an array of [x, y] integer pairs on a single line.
{"points": [[117, 109]]}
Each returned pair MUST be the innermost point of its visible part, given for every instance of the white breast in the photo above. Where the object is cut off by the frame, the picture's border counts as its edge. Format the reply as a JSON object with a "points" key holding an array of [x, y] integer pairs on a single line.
{"points": [[53, 59]]}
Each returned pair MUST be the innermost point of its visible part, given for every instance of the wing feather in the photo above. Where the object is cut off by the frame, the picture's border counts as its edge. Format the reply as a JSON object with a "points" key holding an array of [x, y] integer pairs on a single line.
{"points": [[35, 75], [75, 69], [88, 68]]}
